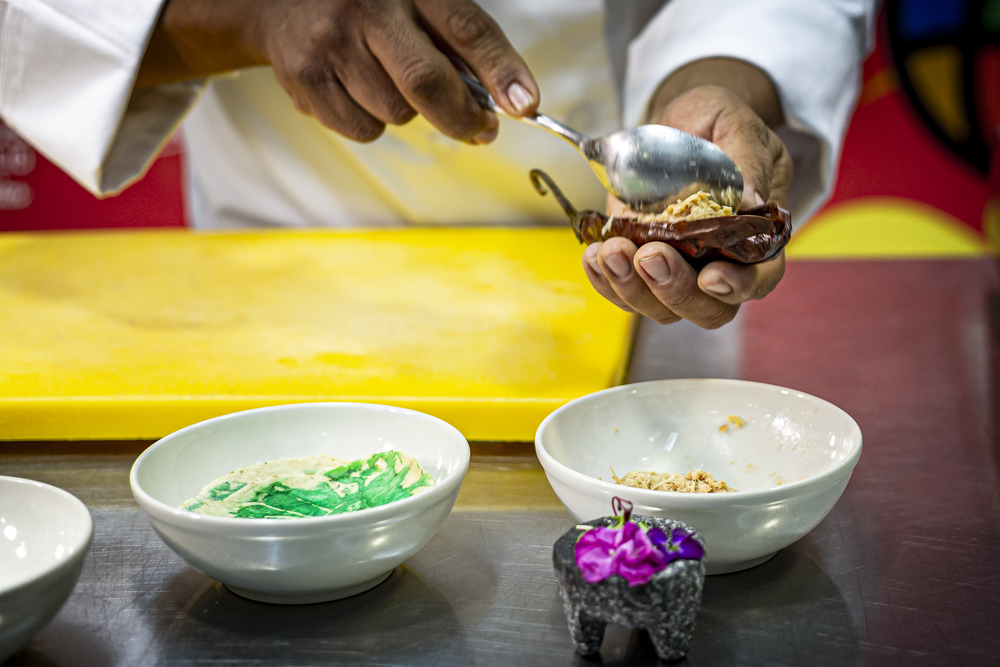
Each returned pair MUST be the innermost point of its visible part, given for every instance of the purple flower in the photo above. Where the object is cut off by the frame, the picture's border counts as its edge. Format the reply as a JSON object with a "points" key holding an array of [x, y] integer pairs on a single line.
{"points": [[632, 552], [681, 545], [627, 551]]}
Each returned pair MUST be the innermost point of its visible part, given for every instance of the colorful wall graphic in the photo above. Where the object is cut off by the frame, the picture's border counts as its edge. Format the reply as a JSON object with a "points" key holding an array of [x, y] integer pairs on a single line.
{"points": [[919, 177]]}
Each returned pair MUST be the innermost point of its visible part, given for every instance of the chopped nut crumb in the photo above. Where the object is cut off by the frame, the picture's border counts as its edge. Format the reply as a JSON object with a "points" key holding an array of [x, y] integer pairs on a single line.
{"points": [[696, 207], [696, 481], [732, 420]]}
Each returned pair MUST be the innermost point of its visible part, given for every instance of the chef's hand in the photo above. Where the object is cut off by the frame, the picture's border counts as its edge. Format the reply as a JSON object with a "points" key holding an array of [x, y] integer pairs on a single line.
{"points": [[655, 280], [355, 65]]}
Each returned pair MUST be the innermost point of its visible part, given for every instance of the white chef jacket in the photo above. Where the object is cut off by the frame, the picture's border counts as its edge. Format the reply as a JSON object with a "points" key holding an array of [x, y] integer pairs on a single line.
{"points": [[67, 69]]}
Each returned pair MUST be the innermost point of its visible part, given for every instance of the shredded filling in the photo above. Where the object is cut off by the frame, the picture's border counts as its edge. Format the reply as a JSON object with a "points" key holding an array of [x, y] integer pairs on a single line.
{"points": [[696, 481], [696, 207]]}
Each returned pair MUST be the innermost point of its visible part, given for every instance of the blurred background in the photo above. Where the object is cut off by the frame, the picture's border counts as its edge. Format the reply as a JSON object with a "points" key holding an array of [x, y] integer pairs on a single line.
{"points": [[919, 176]]}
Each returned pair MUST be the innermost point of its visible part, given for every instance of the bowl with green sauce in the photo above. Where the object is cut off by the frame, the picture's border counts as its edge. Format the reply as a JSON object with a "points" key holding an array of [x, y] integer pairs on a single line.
{"points": [[305, 503]]}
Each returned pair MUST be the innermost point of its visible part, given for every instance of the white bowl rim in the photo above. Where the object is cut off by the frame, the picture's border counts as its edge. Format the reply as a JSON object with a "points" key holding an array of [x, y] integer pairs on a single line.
{"points": [[80, 546], [652, 498], [441, 489]]}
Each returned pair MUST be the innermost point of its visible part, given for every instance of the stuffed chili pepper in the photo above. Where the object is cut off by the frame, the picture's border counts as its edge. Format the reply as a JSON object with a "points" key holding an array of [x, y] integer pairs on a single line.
{"points": [[698, 227]]}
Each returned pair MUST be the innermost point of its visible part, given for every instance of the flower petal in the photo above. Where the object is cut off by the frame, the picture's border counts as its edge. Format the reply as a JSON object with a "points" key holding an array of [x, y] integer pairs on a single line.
{"points": [[657, 537], [639, 573], [685, 546]]}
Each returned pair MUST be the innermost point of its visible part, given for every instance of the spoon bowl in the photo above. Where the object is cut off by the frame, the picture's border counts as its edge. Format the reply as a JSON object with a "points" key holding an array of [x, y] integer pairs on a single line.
{"points": [[647, 167], [650, 166]]}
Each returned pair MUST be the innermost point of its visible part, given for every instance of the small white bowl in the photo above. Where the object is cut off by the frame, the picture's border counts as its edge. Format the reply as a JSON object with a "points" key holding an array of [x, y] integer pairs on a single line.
{"points": [[298, 561], [44, 535], [790, 462]]}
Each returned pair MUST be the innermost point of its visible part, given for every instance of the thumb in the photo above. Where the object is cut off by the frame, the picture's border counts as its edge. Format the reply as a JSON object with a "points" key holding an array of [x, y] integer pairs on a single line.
{"points": [[744, 145]]}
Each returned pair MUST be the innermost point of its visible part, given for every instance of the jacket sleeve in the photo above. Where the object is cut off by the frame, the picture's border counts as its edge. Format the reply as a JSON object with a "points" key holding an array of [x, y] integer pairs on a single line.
{"points": [[811, 49], [67, 70]]}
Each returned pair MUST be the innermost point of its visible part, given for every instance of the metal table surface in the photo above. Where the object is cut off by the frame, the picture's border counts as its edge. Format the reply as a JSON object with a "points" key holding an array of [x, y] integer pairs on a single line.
{"points": [[905, 570]]}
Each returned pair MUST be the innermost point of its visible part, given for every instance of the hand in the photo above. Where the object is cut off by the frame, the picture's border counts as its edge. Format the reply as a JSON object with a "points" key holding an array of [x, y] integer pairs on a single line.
{"points": [[655, 280], [356, 65]]}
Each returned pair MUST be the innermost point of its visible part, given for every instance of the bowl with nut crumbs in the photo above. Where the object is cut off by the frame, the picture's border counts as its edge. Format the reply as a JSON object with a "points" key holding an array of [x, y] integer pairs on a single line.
{"points": [[753, 467]]}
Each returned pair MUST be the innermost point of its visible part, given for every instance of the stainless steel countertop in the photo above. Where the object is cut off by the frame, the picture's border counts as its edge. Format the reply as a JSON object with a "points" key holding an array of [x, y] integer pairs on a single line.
{"points": [[482, 592], [904, 570]]}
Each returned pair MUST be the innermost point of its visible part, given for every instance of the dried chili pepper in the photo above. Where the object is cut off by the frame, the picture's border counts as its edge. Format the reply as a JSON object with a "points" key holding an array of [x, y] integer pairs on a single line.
{"points": [[751, 236]]}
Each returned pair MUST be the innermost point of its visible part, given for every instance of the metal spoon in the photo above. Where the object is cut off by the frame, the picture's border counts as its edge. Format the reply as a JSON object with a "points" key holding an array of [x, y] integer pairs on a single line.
{"points": [[647, 167]]}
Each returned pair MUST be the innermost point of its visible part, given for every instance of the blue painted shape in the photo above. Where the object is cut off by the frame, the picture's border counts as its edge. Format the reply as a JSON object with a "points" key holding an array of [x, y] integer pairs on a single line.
{"points": [[919, 19]]}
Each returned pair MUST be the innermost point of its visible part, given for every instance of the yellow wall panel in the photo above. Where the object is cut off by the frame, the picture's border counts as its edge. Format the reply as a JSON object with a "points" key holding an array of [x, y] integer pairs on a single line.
{"points": [[884, 227]]}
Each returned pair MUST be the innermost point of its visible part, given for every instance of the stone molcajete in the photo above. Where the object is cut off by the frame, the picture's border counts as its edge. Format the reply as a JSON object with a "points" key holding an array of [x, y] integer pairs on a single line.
{"points": [[751, 236], [633, 571]]}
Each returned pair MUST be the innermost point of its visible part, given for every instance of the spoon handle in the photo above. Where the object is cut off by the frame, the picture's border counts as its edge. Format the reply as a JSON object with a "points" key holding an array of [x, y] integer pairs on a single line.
{"points": [[480, 94], [551, 125]]}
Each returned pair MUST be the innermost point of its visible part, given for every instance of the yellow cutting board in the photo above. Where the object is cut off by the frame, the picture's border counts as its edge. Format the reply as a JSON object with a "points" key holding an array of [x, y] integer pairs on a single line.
{"points": [[129, 335]]}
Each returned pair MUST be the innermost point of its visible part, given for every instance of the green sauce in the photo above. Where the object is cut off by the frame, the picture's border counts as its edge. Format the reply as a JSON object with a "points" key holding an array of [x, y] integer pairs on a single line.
{"points": [[254, 493]]}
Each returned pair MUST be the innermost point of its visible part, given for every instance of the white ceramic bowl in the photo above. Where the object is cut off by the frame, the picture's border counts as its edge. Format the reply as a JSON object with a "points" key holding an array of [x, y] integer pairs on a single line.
{"points": [[295, 561], [790, 462], [44, 535]]}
